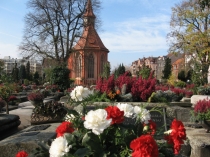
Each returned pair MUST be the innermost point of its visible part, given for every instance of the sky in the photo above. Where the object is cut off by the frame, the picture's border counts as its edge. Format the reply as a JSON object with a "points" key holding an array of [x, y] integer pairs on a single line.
{"points": [[131, 29]]}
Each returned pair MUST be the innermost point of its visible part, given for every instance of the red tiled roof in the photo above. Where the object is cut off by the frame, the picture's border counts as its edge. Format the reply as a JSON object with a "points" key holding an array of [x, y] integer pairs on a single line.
{"points": [[90, 39]]}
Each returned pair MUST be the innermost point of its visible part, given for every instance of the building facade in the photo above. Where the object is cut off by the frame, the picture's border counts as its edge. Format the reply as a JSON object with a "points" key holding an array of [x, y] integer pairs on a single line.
{"points": [[9, 64], [89, 55]]}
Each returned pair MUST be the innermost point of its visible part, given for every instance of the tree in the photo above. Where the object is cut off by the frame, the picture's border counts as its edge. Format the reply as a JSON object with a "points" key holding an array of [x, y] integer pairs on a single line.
{"points": [[60, 77], [28, 70], [15, 73], [1, 66], [52, 27], [106, 71], [144, 71], [167, 69], [22, 73], [120, 70], [181, 76], [190, 33], [36, 78]]}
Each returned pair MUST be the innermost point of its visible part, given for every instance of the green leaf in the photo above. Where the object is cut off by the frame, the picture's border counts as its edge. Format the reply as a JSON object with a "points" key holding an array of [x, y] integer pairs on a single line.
{"points": [[93, 142], [82, 152]]}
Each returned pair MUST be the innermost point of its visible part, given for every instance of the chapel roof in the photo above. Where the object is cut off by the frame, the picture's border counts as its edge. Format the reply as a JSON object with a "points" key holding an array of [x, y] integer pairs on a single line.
{"points": [[90, 38]]}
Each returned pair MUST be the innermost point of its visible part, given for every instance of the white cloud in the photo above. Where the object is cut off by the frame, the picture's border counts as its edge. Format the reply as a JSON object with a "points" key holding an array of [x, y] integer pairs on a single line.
{"points": [[146, 34]]}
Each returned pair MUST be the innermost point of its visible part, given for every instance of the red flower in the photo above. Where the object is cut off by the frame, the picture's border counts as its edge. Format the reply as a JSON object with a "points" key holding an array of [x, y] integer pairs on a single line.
{"points": [[115, 114], [144, 146], [64, 127], [21, 154], [177, 135], [152, 127]]}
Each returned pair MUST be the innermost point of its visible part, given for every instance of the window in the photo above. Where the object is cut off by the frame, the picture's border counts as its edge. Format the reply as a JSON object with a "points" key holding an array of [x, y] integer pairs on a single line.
{"points": [[91, 66], [78, 66]]}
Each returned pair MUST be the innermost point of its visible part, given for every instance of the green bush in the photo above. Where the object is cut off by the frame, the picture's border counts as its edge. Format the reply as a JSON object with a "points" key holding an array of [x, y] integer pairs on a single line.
{"points": [[180, 84], [203, 90], [161, 96], [26, 82], [60, 77]]}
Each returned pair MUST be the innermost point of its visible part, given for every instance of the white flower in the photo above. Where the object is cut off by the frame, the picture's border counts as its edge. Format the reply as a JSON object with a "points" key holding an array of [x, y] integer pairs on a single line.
{"points": [[59, 147], [79, 93], [96, 120], [127, 108], [142, 114]]}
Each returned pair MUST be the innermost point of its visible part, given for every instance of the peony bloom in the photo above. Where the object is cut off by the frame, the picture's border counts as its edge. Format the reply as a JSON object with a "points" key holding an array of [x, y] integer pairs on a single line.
{"points": [[142, 114], [21, 154], [59, 147], [144, 146], [127, 108], [79, 93], [115, 114], [176, 135], [97, 121], [64, 127]]}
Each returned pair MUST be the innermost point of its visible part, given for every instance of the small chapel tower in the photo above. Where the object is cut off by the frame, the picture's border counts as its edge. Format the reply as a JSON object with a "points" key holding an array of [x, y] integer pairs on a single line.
{"points": [[89, 55]]}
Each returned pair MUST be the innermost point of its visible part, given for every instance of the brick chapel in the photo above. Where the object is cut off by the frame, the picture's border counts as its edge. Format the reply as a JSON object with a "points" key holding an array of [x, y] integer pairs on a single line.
{"points": [[89, 55]]}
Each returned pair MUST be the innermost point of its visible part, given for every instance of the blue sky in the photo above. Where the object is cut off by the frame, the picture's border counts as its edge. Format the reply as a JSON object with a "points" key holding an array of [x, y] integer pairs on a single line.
{"points": [[131, 29]]}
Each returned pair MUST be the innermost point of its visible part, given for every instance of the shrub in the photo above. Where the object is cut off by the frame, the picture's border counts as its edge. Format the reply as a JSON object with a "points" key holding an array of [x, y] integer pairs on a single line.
{"points": [[143, 88], [161, 96], [202, 109], [35, 97], [124, 79], [60, 77], [203, 90], [180, 84]]}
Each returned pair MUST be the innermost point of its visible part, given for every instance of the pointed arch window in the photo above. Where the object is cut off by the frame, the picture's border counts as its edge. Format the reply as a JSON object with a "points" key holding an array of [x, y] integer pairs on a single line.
{"points": [[91, 66], [102, 63], [78, 66]]}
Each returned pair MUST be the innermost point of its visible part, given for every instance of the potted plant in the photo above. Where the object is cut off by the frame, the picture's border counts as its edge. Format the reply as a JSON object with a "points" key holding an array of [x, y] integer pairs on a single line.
{"points": [[35, 98], [202, 113]]}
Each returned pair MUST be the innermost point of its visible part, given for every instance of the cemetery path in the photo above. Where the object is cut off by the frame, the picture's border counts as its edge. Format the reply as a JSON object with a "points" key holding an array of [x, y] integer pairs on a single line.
{"points": [[24, 111]]}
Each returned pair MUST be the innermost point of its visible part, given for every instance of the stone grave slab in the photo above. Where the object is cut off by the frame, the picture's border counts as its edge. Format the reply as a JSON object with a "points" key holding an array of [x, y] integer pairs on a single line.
{"points": [[28, 139]]}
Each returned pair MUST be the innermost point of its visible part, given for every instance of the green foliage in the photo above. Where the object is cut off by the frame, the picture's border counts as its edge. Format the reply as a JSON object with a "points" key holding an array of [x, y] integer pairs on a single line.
{"points": [[60, 77], [199, 74], [171, 80], [51, 109], [181, 76], [144, 71], [161, 96], [106, 71], [48, 73], [22, 73], [26, 82], [203, 90], [6, 78], [119, 71], [180, 84], [15, 73], [167, 69], [98, 97], [28, 70], [189, 38]]}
